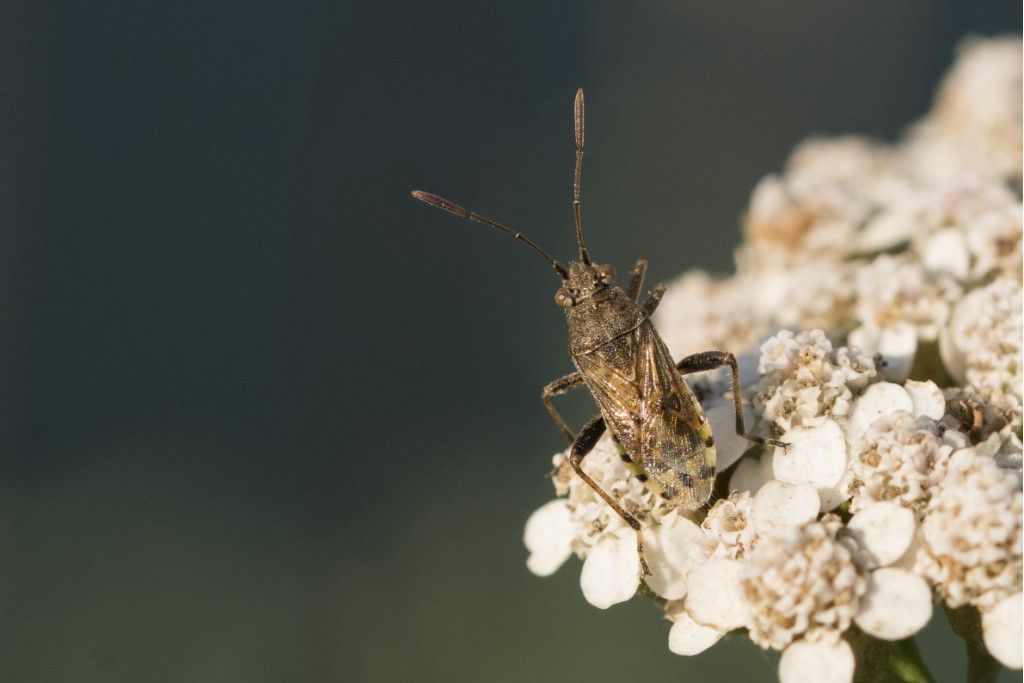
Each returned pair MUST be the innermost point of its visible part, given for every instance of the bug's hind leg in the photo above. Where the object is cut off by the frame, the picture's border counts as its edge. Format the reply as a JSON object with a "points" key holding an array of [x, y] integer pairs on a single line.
{"points": [[583, 444], [711, 360], [557, 388]]}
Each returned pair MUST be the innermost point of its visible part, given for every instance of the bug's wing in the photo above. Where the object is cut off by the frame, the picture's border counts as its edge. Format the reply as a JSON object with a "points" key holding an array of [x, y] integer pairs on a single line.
{"points": [[676, 446]]}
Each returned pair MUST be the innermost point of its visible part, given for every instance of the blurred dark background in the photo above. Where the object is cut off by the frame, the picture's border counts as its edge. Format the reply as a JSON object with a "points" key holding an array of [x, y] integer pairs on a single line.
{"points": [[265, 417]]}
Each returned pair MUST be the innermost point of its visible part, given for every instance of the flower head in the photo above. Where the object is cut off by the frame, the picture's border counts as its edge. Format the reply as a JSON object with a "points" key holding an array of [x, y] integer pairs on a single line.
{"points": [[805, 381], [972, 532], [900, 458], [802, 581]]}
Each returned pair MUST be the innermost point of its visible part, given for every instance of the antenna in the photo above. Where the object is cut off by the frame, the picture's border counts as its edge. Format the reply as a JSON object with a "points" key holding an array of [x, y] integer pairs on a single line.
{"points": [[453, 208], [577, 124]]}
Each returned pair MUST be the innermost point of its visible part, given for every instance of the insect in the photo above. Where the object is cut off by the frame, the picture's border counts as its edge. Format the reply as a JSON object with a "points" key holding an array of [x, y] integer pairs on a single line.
{"points": [[658, 425]]}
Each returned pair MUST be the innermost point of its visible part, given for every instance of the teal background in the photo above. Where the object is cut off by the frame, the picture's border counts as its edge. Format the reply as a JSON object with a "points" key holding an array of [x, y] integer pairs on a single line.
{"points": [[265, 417]]}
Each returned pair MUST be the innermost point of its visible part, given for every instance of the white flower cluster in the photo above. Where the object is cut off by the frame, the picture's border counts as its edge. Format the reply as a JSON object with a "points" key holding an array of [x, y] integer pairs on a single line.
{"points": [[879, 298]]}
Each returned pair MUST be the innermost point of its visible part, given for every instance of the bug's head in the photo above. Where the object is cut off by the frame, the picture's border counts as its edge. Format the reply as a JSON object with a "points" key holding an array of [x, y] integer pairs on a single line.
{"points": [[584, 280]]}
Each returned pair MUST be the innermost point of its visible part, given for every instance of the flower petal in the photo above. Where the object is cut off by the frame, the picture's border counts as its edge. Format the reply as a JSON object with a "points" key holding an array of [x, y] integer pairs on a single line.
{"points": [[896, 343], [714, 597], [672, 551], [815, 456], [927, 399], [877, 400], [752, 473], [729, 445], [1001, 628], [548, 536], [897, 605], [611, 572], [833, 497], [885, 529], [780, 503], [945, 251], [817, 662], [687, 637]]}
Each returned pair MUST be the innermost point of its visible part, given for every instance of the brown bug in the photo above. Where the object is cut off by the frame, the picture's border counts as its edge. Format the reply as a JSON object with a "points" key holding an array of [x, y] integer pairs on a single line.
{"points": [[657, 423]]}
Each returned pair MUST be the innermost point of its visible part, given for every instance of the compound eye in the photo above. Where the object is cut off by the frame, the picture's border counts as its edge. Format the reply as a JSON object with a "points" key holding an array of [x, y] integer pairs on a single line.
{"points": [[605, 274], [563, 299]]}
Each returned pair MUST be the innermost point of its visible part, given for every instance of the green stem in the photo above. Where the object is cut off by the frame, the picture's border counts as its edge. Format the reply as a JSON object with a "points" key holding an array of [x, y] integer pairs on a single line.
{"points": [[906, 663], [981, 666], [882, 660]]}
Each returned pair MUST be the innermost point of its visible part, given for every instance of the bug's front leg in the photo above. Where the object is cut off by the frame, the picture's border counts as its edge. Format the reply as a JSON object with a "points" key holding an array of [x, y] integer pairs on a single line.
{"points": [[711, 360], [636, 279], [581, 446], [654, 298], [557, 388]]}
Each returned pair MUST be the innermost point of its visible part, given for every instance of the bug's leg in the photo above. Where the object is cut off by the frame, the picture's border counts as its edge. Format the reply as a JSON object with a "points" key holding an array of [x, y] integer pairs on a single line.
{"points": [[654, 298], [581, 446], [710, 360], [636, 279], [556, 388]]}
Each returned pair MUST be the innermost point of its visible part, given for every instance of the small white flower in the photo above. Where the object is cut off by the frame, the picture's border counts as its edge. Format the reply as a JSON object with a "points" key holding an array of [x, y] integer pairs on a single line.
{"points": [[781, 504], [687, 637], [884, 398], [972, 532], [975, 123], [821, 661], [945, 251], [699, 313], [672, 550], [895, 343], [815, 456], [806, 382], [728, 528], [885, 530], [897, 605], [982, 346], [715, 598], [802, 581], [898, 289], [752, 473], [548, 536], [1001, 629], [611, 572], [901, 458], [926, 398]]}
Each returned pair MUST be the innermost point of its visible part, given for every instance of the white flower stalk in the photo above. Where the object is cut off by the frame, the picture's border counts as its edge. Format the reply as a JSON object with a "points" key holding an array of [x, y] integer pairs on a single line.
{"points": [[870, 276], [972, 532]]}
